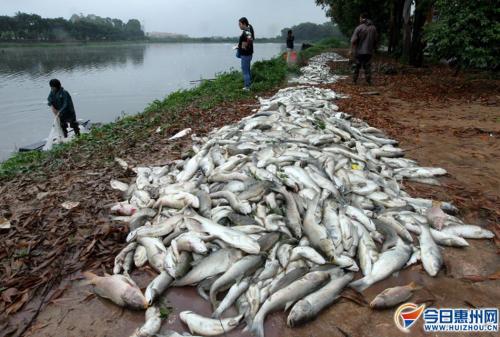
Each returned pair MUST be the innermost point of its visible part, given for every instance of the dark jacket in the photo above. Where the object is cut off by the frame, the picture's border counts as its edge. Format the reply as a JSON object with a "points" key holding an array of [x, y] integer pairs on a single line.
{"points": [[62, 102], [246, 36], [365, 37], [289, 41]]}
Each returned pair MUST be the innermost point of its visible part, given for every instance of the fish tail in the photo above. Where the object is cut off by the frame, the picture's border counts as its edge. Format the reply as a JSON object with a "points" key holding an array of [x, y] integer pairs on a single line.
{"points": [[90, 278], [258, 327], [414, 286], [361, 284], [213, 299]]}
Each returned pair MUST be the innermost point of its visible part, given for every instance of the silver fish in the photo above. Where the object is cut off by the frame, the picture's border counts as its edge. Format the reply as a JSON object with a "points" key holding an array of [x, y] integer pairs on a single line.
{"points": [[247, 265], [430, 254], [216, 263], [309, 307], [389, 262], [208, 326], [284, 297], [152, 325]]}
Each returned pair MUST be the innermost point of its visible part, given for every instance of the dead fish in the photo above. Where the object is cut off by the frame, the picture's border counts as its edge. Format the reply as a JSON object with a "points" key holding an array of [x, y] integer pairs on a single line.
{"points": [[393, 296], [430, 253], [436, 216], [208, 326], [241, 268], [152, 325], [119, 289], [157, 286], [388, 262], [181, 134], [284, 297], [309, 307], [215, 263]]}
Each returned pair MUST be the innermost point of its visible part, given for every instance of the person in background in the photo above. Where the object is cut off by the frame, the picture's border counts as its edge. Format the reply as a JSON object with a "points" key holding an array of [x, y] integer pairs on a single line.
{"points": [[62, 105], [289, 45], [245, 48], [289, 40], [364, 42]]}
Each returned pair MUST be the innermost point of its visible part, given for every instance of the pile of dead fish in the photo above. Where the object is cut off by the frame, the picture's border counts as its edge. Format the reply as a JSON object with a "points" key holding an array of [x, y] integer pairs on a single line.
{"points": [[317, 71], [278, 211]]}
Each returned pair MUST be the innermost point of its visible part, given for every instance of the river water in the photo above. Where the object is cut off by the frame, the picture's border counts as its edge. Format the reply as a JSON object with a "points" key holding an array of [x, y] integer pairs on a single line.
{"points": [[104, 81]]}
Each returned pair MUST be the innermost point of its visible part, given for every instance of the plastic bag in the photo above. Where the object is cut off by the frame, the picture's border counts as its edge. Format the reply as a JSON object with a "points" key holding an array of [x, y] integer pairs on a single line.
{"points": [[56, 135]]}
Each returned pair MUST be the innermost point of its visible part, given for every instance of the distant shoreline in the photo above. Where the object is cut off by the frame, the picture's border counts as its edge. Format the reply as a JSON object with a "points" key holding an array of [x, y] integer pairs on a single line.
{"points": [[8, 44]]}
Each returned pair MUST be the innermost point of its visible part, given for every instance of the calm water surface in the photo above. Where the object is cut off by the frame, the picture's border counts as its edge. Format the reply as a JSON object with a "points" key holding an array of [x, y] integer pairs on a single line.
{"points": [[104, 81]]}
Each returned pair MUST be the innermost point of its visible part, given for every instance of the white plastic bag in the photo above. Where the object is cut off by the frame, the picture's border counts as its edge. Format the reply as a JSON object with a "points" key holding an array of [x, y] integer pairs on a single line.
{"points": [[56, 135]]}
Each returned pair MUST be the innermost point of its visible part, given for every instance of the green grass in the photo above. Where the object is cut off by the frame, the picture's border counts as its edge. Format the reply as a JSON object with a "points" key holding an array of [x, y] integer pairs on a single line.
{"points": [[103, 143]]}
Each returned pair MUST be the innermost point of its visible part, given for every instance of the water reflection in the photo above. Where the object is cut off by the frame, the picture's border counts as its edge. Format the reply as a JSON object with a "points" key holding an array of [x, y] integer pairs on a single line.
{"points": [[42, 61]]}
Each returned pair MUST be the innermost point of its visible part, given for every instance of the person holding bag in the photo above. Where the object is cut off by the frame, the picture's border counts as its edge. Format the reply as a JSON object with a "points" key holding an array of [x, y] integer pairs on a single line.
{"points": [[62, 106], [245, 51]]}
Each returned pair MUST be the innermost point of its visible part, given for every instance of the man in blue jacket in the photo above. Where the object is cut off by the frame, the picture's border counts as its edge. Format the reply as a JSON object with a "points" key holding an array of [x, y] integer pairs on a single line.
{"points": [[62, 105]]}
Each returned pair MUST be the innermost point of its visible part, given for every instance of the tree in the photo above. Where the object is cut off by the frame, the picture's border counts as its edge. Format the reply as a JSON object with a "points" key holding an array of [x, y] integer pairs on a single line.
{"points": [[346, 13], [312, 32], [79, 27], [394, 20], [133, 29], [468, 31]]}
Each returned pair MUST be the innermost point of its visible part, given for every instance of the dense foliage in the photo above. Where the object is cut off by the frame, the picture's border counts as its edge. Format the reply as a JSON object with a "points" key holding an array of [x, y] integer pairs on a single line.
{"points": [[463, 30], [308, 31], [346, 13], [32, 27], [466, 31]]}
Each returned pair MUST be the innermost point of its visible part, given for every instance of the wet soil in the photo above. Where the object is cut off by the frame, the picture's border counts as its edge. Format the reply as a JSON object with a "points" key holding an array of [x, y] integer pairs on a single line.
{"points": [[440, 120]]}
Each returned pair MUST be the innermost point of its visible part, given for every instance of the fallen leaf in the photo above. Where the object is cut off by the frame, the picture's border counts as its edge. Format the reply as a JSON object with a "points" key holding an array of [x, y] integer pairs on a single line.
{"points": [[18, 305], [8, 294]]}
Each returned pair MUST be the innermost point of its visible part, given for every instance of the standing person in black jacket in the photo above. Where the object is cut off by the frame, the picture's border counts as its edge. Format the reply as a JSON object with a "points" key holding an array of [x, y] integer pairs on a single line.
{"points": [[62, 105], [289, 45], [245, 48], [363, 43], [289, 40]]}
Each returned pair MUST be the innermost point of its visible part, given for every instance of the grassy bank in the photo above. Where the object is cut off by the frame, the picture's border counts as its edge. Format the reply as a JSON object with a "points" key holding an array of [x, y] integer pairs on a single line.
{"points": [[101, 143]]}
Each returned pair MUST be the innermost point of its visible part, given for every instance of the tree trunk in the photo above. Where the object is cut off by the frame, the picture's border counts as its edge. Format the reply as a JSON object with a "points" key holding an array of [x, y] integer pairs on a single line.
{"points": [[396, 24], [407, 30], [417, 45]]}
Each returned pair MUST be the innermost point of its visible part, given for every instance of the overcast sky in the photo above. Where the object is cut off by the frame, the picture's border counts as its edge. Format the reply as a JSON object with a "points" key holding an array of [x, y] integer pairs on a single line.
{"points": [[192, 17]]}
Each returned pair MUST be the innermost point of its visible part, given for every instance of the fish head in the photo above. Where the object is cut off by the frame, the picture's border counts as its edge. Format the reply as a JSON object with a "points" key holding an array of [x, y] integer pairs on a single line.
{"points": [[185, 315], [301, 312], [134, 298], [246, 208], [378, 302], [434, 267], [326, 245], [318, 276], [197, 245]]}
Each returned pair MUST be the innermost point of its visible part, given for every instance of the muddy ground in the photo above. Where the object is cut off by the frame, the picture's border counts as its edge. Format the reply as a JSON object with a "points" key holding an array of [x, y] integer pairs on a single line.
{"points": [[441, 120]]}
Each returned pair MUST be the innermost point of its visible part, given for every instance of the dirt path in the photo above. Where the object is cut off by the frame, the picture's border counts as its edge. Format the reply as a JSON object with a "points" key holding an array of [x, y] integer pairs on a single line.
{"points": [[441, 120]]}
